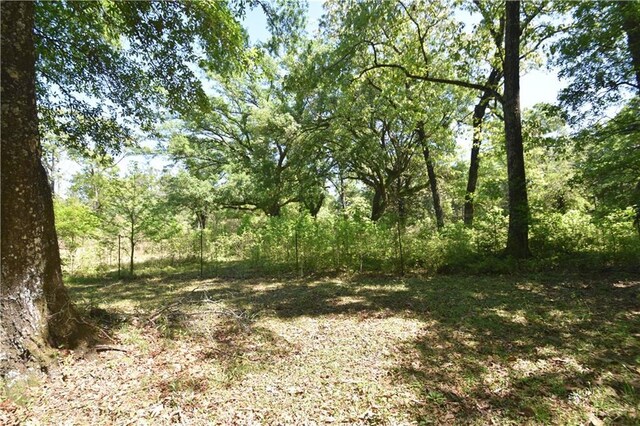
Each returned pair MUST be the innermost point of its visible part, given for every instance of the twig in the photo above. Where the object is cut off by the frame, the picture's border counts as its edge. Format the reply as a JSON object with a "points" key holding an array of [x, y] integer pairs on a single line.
{"points": [[102, 348], [157, 315]]}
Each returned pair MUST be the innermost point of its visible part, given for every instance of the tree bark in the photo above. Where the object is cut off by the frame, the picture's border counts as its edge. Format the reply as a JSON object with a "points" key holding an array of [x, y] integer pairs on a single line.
{"points": [[379, 203], [518, 235], [479, 113], [35, 310], [433, 179]]}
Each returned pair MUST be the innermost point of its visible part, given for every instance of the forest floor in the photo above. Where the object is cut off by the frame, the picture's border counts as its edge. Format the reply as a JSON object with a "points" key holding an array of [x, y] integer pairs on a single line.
{"points": [[537, 349]]}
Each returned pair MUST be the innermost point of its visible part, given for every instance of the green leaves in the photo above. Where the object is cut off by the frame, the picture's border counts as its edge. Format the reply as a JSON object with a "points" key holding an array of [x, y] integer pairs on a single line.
{"points": [[596, 56], [252, 145], [107, 68]]}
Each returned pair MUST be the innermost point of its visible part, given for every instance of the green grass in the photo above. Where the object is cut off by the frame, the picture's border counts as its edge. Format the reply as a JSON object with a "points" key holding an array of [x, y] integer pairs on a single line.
{"points": [[530, 349]]}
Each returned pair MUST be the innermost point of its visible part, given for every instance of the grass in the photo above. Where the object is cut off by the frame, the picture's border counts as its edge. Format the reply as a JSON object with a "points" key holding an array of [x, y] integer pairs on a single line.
{"points": [[238, 349]]}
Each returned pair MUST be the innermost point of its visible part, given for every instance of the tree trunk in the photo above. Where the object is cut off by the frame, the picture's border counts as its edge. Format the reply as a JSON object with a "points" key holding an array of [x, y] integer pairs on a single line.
{"points": [[518, 236], [433, 180], [131, 255], [341, 190], [479, 113], [379, 203], [273, 210], [636, 203], [631, 23], [35, 310], [314, 205]]}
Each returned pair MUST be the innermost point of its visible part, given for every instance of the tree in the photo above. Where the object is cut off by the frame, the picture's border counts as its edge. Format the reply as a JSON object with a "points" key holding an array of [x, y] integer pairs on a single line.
{"points": [[423, 42], [252, 144], [31, 287], [80, 58], [74, 222], [377, 144], [609, 160], [600, 56], [132, 208], [492, 27], [518, 235]]}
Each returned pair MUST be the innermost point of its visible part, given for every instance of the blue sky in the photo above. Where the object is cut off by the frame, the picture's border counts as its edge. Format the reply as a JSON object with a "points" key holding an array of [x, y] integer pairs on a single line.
{"points": [[536, 86]]}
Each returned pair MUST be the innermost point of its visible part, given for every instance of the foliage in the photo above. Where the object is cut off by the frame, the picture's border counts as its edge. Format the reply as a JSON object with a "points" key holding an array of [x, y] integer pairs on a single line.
{"points": [[323, 155], [595, 55], [252, 144], [95, 85], [75, 223]]}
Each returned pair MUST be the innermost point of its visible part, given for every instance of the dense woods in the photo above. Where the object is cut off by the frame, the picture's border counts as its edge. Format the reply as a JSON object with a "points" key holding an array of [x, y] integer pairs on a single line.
{"points": [[350, 151], [392, 139]]}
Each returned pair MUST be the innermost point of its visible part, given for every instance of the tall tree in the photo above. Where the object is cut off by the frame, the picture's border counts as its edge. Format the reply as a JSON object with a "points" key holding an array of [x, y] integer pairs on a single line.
{"points": [[61, 57], [600, 56], [433, 180], [492, 25], [35, 310], [518, 234], [253, 144], [423, 42]]}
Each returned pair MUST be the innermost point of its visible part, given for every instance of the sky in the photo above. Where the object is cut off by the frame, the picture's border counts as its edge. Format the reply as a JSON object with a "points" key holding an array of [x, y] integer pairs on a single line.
{"points": [[535, 86]]}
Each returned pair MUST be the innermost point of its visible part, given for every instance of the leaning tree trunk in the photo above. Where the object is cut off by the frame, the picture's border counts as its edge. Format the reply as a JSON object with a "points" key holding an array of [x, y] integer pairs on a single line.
{"points": [[433, 180], [479, 113], [518, 235], [35, 310]]}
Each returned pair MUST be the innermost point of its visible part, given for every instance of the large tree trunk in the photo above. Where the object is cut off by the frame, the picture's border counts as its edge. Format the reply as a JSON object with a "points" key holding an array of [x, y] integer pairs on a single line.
{"points": [[35, 310], [273, 210], [518, 236], [379, 203], [479, 113], [433, 180], [314, 205]]}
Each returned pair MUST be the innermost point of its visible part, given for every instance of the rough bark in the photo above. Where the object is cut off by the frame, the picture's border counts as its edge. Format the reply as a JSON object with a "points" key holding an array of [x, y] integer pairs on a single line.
{"points": [[35, 310], [518, 234], [433, 179], [479, 113]]}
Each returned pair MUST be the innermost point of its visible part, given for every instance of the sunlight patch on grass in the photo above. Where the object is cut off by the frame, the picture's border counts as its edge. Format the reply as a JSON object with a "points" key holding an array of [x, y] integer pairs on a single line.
{"points": [[454, 350], [517, 316]]}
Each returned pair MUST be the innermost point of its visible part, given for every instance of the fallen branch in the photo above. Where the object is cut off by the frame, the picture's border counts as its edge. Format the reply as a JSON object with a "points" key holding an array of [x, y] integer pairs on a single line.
{"points": [[170, 306], [103, 348]]}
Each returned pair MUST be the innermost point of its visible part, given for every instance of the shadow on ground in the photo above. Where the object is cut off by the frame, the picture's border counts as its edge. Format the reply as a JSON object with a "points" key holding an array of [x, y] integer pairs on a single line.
{"points": [[523, 349]]}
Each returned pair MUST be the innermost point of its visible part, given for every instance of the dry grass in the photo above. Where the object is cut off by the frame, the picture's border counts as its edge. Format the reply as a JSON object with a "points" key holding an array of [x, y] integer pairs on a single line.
{"points": [[447, 350]]}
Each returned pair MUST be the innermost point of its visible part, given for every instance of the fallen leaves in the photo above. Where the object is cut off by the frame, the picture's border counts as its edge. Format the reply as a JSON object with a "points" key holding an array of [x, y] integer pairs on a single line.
{"points": [[278, 353]]}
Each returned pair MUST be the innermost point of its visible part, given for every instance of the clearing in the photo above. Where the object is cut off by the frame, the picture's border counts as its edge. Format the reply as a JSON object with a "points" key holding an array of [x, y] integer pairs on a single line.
{"points": [[349, 350]]}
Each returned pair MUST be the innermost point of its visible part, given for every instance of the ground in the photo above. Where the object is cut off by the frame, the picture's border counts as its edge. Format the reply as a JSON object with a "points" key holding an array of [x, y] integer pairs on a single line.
{"points": [[538, 349]]}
